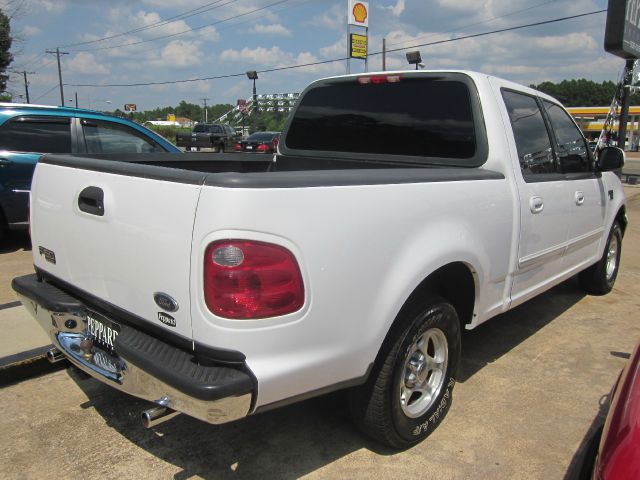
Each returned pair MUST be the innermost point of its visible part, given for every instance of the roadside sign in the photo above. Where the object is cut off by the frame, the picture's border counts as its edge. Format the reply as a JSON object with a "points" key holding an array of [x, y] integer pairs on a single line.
{"points": [[130, 107], [358, 13], [242, 105], [622, 32], [171, 117], [358, 46]]}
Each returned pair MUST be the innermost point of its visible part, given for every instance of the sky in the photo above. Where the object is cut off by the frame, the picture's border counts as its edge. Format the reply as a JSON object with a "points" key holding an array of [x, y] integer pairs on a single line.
{"points": [[174, 40]]}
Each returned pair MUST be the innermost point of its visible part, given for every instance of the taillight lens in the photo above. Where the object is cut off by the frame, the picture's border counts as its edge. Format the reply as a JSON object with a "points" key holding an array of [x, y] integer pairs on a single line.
{"points": [[238, 147], [248, 280], [263, 147]]}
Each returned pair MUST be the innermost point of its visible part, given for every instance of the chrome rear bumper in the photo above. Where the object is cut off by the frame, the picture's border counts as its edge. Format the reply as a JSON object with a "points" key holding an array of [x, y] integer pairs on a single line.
{"points": [[213, 394]]}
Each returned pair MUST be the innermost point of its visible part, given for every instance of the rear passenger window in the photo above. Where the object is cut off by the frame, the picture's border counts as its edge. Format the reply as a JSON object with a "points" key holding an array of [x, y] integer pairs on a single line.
{"points": [[36, 134], [530, 132], [110, 137], [572, 152]]}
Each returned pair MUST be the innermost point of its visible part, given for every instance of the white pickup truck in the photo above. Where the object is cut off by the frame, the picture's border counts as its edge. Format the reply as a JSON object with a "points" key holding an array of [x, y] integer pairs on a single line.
{"points": [[400, 209]]}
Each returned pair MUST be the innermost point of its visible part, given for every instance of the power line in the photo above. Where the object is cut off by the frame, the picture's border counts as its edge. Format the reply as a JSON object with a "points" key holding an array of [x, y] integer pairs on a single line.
{"points": [[162, 37], [478, 23], [290, 67], [189, 13], [47, 92]]}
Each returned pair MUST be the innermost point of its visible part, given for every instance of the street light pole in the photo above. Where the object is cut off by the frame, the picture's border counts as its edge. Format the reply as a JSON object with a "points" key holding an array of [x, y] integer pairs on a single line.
{"points": [[253, 75]]}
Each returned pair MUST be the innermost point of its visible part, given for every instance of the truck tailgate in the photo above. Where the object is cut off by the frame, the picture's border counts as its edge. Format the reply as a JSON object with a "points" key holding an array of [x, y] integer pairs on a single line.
{"points": [[138, 244]]}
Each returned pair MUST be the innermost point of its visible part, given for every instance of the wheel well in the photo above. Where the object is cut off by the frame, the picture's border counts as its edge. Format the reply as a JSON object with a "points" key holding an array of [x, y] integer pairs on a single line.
{"points": [[453, 282], [621, 217]]}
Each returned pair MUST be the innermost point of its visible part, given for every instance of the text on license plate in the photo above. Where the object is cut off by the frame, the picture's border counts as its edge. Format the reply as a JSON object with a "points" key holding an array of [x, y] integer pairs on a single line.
{"points": [[102, 330]]}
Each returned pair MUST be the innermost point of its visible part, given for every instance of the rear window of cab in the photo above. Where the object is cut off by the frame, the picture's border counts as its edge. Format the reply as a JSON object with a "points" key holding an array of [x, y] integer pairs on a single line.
{"points": [[425, 118]]}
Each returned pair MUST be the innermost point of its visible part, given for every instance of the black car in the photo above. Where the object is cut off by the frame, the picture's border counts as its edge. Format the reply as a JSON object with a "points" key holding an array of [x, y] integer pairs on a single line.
{"points": [[259, 142]]}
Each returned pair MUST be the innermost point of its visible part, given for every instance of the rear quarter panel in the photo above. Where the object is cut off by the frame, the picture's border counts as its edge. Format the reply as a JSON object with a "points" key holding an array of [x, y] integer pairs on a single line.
{"points": [[362, 251]]}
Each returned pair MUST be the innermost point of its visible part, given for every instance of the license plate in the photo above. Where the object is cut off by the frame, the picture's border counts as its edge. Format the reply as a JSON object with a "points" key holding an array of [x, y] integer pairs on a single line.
{"points": [[102, 330], [249, 147]]}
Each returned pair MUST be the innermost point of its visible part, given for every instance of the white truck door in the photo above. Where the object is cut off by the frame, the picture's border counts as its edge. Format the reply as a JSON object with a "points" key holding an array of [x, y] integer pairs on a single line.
{"points": [[544, 206], [587, 191]]}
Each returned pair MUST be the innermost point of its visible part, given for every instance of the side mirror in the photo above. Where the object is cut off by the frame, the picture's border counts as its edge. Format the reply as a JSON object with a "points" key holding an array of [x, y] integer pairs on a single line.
{"points": [[610, 158]]}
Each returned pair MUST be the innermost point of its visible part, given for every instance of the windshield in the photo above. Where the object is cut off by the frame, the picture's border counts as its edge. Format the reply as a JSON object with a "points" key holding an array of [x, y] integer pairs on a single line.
{"points": [[425, 116]]}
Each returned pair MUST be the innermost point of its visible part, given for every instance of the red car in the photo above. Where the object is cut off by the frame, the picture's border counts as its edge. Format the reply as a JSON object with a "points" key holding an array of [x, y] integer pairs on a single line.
{"points": [[259, 142], [618, 456]]}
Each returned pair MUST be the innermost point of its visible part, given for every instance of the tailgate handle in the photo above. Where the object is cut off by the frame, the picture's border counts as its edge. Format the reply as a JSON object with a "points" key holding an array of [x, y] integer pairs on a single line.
{"points": [[91, 200]]}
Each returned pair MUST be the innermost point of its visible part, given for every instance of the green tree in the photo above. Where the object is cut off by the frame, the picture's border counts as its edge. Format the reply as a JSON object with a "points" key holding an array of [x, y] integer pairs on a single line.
{"points": [[5, 45], [583, 93]]}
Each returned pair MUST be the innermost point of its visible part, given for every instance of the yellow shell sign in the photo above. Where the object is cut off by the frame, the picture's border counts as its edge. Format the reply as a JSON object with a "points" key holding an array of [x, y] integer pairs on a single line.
{"points": [[358, 13]]}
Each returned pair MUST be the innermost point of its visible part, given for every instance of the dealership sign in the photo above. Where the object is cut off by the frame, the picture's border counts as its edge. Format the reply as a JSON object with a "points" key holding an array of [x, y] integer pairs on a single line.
{"points": [[622, 33], [358, 13]]}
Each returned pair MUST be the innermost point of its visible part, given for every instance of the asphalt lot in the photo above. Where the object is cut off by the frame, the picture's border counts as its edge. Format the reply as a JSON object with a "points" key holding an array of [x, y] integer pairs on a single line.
{"points": [[532, 386]]}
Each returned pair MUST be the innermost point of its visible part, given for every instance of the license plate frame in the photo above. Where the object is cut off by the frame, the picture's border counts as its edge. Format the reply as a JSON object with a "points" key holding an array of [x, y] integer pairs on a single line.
{"points": [[102, 330]]}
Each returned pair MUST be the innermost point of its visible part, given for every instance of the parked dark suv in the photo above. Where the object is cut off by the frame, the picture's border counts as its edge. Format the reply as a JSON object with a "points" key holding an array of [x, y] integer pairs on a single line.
{"points": [[219, 137]]}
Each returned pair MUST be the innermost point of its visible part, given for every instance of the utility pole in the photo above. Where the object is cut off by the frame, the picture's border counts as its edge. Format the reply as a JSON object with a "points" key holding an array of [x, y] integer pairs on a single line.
{"points": [[384, 54], [76, 99], [24, 73], [58, 53], [206, 116]]}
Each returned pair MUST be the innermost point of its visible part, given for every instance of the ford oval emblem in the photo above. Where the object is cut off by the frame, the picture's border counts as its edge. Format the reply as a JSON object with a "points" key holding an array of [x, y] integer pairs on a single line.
{"points": [[165, 302]]}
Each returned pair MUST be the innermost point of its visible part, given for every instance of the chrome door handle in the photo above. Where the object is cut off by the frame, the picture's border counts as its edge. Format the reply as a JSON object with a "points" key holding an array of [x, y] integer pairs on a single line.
{"points": [[579, 198], [536, 204]]}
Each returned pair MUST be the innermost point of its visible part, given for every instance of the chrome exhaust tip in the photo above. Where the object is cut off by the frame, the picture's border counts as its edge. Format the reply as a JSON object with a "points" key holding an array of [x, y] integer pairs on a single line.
{"points": [[54, 355], [157, 415]]}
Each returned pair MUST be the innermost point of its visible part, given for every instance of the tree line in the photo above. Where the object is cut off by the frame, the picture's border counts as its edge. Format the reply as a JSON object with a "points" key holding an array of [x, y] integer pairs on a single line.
{"points": [[583, 93]]}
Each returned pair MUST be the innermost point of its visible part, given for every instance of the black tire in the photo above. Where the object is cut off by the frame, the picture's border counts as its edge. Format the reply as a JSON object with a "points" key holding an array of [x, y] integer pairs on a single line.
{"points": [[221, 148], [377, 406], [188, 149], [599, 278]]}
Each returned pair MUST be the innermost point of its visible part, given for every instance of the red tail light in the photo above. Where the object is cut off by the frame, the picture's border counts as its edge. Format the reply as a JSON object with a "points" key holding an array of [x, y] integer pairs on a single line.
{"points": [[238, 147], [263, 147], [248, 280]]}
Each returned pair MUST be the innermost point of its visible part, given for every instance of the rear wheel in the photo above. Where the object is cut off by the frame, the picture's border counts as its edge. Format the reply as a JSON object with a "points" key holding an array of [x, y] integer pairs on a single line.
{"points": [[188, 149], [221, 148], [600, 278], [410, 389]]}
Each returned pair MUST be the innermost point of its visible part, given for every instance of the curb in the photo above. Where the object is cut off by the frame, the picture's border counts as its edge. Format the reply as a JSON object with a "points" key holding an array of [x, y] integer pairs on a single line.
{"points": [[28, 364]]}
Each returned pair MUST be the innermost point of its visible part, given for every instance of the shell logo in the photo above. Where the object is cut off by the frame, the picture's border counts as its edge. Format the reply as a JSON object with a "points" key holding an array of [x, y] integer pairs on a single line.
{"points": [[360, 12]]}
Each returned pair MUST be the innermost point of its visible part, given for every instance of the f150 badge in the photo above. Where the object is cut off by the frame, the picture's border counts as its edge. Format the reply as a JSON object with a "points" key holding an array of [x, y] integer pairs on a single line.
{"points": [[49, 255]]}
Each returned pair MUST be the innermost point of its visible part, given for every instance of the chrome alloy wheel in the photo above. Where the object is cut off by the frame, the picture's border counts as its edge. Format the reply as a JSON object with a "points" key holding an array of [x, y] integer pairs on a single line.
{"points": [[612, 257], [424, 373]]}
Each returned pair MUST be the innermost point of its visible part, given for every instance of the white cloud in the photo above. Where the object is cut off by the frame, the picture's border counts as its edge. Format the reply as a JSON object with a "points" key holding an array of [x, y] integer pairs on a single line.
{"points": [[274, 29], [397, 9], [179, 54], [85, 63], [335, 18], [30, 31]]}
